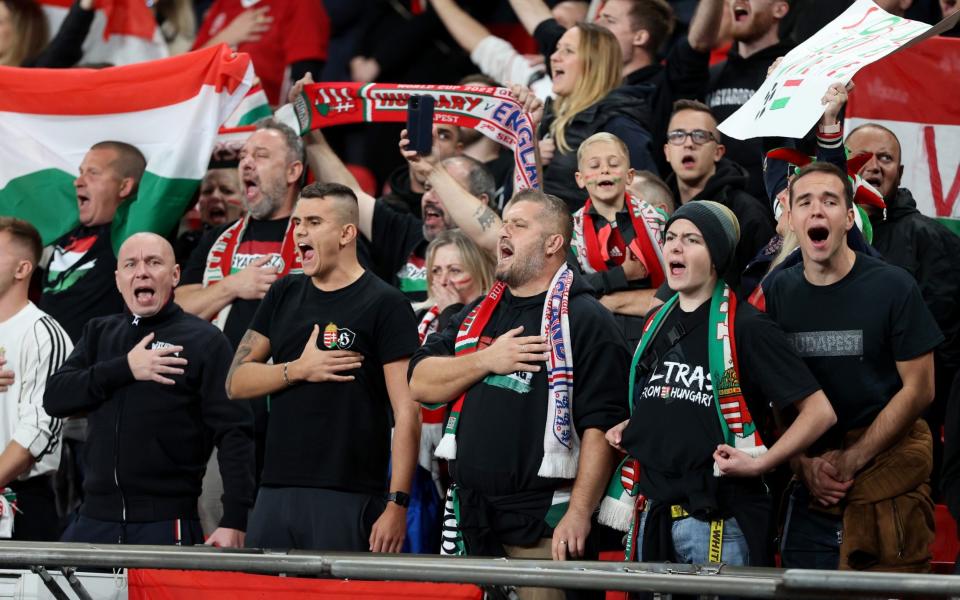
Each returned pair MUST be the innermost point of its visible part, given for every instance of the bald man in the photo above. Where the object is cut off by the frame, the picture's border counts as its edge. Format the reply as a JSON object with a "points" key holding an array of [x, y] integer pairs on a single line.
{"points": [[330, 347], [151, 382]]}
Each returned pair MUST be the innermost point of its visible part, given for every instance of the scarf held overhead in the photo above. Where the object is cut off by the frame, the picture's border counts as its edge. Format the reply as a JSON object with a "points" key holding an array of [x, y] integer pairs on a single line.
{"points": [[561, 445], [490, 110]]}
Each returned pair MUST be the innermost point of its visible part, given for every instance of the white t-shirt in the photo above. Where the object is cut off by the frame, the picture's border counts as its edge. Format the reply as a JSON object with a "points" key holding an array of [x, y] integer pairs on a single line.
{"points": [[34, 346]]}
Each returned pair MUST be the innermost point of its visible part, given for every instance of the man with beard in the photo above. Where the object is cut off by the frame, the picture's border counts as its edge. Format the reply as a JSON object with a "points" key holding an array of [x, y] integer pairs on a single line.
{"points": [[925, 248], [542, 350], [755, 26], [864, 332], [234, 265], [398, 240], [150, 381], [338, 339]]}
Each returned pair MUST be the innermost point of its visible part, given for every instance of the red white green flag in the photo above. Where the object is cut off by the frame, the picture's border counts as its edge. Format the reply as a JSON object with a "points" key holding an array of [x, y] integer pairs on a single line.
{"points": [[170, 109]]}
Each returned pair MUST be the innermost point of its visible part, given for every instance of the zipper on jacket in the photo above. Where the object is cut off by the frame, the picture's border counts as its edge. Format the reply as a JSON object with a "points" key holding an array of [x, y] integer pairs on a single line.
{"points": [[116, 468]]}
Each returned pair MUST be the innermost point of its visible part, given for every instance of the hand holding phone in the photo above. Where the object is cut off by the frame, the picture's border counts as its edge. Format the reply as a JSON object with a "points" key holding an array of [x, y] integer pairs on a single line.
{"points": [[420, 124]]}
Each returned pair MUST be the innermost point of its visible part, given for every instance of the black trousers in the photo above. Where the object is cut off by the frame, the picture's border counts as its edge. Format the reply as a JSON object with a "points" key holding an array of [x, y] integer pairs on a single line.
{"points": [[36, 520], [173, 532]]}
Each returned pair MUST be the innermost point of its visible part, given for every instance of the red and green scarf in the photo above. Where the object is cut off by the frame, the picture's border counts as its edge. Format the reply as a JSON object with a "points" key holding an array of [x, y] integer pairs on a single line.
{"points": [[220, 259], [648, 226]]}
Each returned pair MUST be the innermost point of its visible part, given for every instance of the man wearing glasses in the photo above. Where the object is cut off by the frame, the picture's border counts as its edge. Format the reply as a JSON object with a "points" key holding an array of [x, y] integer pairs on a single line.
{"points": [[700, 172]]}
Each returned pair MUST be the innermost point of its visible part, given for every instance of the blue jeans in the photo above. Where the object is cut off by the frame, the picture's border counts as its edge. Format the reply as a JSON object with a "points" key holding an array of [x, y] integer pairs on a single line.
{"points": [[811, 539], [691, 542]]}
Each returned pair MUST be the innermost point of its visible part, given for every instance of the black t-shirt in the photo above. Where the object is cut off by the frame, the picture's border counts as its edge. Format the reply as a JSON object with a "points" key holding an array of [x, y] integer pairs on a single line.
{"points": [[79, 283], [675, 426], [500, 435], [333, 435], [398, 249], [852, 333], [260, 239]]}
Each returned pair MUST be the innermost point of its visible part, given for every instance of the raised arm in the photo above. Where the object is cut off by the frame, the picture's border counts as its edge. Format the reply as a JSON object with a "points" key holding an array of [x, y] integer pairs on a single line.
{"points": [[467, 31], [704, 30], [531, 13]]}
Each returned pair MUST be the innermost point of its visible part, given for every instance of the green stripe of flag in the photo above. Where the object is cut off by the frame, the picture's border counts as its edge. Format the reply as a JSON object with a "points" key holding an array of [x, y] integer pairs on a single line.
{"points": [[254, 115], [950, 223]]}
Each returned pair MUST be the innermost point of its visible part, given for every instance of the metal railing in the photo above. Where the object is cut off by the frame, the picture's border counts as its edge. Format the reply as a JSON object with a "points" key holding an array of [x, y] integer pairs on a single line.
{"points": [[589, 575]]}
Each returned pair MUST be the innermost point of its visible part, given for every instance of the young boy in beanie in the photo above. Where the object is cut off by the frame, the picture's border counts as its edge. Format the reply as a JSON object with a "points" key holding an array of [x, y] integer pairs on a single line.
{"points": [[702, 379]]}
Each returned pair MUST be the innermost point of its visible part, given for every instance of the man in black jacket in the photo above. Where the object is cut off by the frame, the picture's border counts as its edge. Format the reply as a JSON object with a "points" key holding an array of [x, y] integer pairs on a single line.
{"points": [[919, 244], [701, 172], [151, 381], [755, 26]]}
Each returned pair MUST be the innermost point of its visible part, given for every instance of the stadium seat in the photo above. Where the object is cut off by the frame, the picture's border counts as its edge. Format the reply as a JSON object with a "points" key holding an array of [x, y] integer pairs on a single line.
{"points": [[945, 545]]}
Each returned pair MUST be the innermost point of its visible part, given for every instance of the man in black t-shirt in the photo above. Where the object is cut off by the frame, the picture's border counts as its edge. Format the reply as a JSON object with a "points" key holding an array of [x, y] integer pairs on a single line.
{"points": [[755, 27], [502, 445], [337, 340], [701, 405], [78, 283], [862, 328]]}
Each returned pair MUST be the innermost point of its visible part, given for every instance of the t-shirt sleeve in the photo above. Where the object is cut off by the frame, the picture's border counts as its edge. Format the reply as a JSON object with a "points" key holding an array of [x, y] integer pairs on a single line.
{"points": [[397, 330], [441, 343], [768, 363], [395, 235], [915, 332], [197, 263], [600, 365], [263, 318], [307, 34]]}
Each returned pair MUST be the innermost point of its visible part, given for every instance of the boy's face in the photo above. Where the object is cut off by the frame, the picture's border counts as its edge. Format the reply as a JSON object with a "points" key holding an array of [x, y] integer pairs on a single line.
{"points": [[604, 172]]}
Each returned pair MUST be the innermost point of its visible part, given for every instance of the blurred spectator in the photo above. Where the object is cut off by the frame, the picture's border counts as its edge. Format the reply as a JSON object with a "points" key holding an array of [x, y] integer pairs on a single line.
{"points": [[586, 74], [23, 32], [755, 30], [220, 202], [702, 172], [278, 34], [651, 189], [177, 24]]}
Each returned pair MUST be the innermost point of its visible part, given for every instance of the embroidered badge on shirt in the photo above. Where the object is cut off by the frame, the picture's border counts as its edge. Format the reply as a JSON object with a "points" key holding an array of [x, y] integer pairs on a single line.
{"points": [[336, 338]]}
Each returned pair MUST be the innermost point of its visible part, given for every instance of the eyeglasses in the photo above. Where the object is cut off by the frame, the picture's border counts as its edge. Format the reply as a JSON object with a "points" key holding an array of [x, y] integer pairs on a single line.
{"points": [[699, 137]]}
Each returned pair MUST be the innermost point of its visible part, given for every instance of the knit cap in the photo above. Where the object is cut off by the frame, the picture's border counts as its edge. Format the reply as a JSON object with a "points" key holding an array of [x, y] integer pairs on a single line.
{"points": [[718, 225]]}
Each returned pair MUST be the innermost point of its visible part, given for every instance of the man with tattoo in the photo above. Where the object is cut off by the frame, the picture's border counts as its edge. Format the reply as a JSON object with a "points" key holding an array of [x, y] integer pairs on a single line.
{"points": [[150, 381], [330, 347]]}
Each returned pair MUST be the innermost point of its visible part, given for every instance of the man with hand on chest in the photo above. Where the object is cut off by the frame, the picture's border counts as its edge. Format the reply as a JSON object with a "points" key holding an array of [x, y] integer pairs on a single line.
{"points": [[339, 340], [150, 381]]}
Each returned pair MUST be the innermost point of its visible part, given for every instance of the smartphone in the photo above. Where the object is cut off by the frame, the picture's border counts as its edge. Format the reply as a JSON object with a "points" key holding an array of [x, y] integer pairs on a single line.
{"points": [[420, 124]]}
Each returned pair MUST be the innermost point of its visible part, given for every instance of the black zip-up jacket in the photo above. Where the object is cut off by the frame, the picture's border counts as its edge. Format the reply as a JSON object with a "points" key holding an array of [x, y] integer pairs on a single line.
{"points": [[148, 443]]}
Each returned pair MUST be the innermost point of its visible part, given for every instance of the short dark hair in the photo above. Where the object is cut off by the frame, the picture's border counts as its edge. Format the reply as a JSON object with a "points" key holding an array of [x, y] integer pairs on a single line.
{"points": [[554, 207], [346, 196], [697, 106], [130, 161], [293, 140], [656, 17], [25, 234], [829, 169]]}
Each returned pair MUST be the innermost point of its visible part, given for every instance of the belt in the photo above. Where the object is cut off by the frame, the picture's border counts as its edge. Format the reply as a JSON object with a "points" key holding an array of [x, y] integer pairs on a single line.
{"points": [[715, 552]]}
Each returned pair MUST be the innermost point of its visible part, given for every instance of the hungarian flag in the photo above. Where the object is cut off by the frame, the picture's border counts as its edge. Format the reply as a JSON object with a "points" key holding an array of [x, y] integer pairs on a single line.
{"points": [[914, 94], [169, 109], [254, 107], [122, 32]]}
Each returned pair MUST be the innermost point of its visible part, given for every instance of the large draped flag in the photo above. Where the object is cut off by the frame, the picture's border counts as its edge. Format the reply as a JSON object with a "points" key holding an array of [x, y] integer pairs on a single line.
{"points": [[170, 109], [122, 32], [911, 94]]}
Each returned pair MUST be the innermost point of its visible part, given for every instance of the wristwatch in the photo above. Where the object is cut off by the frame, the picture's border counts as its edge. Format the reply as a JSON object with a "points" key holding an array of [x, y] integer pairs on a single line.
{"points": [[401, 498]]}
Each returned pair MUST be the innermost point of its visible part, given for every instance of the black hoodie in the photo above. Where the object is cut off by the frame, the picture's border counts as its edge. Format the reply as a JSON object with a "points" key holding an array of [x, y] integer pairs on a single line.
{"points": [[732, 83], [728, 187], [401, 197], [148, 443]]}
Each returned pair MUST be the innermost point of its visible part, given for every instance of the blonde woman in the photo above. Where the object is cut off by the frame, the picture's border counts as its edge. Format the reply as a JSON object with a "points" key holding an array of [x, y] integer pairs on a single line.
{"points": [[458, 272], [586, 69]]}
